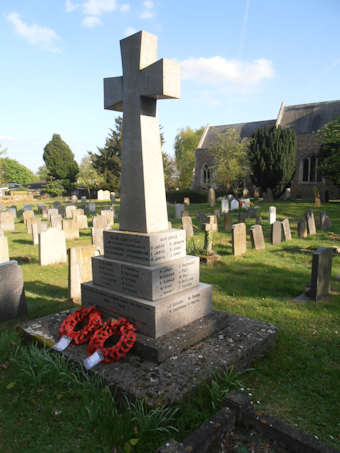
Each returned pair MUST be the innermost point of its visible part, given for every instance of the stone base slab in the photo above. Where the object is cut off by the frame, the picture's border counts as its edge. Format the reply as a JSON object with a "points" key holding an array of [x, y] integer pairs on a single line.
{"points": [[145, 248], [148, 282], [242, 341], [151, 318]]}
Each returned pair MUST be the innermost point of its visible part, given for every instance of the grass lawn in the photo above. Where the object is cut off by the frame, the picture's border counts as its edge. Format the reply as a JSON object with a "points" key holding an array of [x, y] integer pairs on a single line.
{"points": [[48, 407]]}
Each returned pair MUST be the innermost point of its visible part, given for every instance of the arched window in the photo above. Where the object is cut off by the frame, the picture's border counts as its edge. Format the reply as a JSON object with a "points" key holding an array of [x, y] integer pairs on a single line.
{"points": [[206, 174], [305, 176], [310, 171]]}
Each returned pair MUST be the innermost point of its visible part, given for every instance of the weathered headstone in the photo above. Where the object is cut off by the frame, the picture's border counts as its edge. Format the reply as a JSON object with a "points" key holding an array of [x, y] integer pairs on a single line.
{"points": [[7, 221], [211, 224], [224, 206], [52, 247], [103, 195], [257, 238], [79, 269], [52, 212], [71, 229], [4, 256], [227, 222], [13, 210], [217, 213], [99, 221], [56, 221], [208, 242], [81, 221], [27, 215], [144, 238], [179, 208], [97, 238], [30, 222], [276, 233], [287, 235], [310, 222], [272, 214], [317, 197], [74, 198], [234, 204], [211, 197], [321, 273], [12, 294], [36, 222], [77, 212], [286, 194], [68, 211], [92, 207], [27, 207], [302, 229], [44, 212], [239, 240], [187, 226], [186, 201], [323, 216]]}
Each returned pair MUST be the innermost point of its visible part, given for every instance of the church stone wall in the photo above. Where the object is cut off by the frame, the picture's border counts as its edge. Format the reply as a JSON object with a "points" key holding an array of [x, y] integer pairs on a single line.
{"points": [[203, 157]]}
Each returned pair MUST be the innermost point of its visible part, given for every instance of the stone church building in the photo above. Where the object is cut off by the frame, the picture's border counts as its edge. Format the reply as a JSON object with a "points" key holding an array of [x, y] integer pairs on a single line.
{"points": [[305, 119]]}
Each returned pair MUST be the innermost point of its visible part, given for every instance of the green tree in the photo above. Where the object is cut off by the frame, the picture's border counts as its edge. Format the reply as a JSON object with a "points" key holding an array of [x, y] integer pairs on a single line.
{"points": [[169, 167], [186, 142], [13, 171], [42, 173], [108, 160], [59, 161], [272, 158], [88, 177], [329, 155], [231, 155]]}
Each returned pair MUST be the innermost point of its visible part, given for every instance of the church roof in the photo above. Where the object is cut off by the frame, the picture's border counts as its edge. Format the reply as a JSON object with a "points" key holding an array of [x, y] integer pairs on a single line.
{"points": [[245, 130], [307, 118], [304, 118]]}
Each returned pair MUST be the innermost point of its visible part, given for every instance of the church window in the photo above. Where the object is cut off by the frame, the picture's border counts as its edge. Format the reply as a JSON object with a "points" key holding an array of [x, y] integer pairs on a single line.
{"points": [[310, 170], [206, 174], [305, 170]]}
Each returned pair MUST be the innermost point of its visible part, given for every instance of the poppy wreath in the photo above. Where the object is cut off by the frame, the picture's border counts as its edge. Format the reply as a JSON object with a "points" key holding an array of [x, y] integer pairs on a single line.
{"points": [[127, 339], [81, 336]]}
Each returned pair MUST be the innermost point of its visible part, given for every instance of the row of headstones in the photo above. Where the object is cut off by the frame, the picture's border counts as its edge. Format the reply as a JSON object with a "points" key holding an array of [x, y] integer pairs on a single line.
{"points": [[91, 207], [226, 205]]}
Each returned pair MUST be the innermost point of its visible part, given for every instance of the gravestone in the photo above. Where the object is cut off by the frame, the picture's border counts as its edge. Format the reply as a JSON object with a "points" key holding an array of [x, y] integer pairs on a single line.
{"points": [[99, 221], [179, 208], [144, 238], [276, 233], [272, 214], [286, 194], [321, 273], [77, 212], [317, 198], [83, 200], [230, 196], [113, 197], [27, 215], [69, 210], [4, 256], [269, 195], [239, 240], [323, 216], [70, 228], [103, 195], [52, 247], [29, 223], [186, 201], [310, 222], [224, 206], [81, 221], [185, 213], [287, 236], [187, 226], [109, 216], [98, 238], [227, 222], [217, 214], [44, 212], [7, 221], [79, 269], [36, 229], [211, 197], [211, 224], [257, 238], [56, 222], [12, 294], [208, 242], [234, 204], [242, 216], [92, 207], [302, 229], [13, 210], [52, 212], [202, 217], [74, 198], [27, 207]]}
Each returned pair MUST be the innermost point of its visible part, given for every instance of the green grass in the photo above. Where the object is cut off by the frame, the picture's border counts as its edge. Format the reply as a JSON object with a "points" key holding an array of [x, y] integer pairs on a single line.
{"points": [[58, 409]]}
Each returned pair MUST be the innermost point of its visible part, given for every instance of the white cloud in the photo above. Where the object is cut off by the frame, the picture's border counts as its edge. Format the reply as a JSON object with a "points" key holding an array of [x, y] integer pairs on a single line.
{"points": [[6, 138], [70, 6], [124, 8], [98, 7], [148, 4], [43, 36], [129, 31], [218, 70], [147, 15], [91, 21]]}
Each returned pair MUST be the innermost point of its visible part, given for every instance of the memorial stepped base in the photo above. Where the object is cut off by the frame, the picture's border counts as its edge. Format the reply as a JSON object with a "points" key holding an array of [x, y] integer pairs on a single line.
{"points": [[237, 344]]}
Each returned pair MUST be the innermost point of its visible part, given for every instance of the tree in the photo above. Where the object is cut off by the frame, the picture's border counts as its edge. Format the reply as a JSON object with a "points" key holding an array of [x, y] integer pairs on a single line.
{"points": [[42, 173], [186, 142], [272, 158], [12, 171], [108, 161], [329, 155], [59, 161], [232, 160], [169, 167], [88, 177]]}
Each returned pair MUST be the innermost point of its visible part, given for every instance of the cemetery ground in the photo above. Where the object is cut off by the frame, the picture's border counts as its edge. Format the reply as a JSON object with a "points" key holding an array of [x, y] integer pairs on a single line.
{"points": [[49, 406]]}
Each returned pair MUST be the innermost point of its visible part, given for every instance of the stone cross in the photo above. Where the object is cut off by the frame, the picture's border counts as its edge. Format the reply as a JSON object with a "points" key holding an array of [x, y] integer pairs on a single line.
{"points": [[145, 79]]}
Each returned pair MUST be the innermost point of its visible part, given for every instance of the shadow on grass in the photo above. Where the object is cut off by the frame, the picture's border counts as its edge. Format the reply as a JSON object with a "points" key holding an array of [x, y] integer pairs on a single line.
{"points": [[39, 289], [25, 259], [23, 241]]}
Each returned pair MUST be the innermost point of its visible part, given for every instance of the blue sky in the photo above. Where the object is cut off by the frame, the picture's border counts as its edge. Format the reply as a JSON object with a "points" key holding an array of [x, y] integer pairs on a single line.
{"points": [[239, 59]]}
